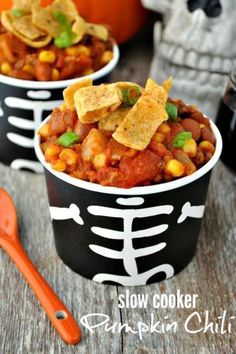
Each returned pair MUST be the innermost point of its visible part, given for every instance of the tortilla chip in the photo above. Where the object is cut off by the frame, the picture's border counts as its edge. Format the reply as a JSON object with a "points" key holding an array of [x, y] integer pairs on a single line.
{"points": [[141, 123], [67, 7], [127, 84], [96, 102], [40, 42], [24, 4], [79, 27], [98, 31], [167, 84], [114, 119], [69, 92], [156, 91], [43, 19], [26, 28]]}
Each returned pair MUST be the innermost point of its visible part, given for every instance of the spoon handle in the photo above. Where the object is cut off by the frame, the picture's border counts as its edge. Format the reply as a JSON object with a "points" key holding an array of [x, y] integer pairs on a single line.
{"points": [[59, 315]]}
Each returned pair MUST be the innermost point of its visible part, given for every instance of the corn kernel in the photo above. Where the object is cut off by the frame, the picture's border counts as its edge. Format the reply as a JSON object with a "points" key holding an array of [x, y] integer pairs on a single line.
{"points": [[55, 74], [72, 51], [159, 137], [63, 107], [82, 49], [164, 129], [206, 146], [88, 71], [29, 69], [106, 57], [174, 168], [130, 153], [6, 68], [44, 131], [52, 152], [59, 165], [69, 156], [47, 56], [99, 161], [190, 147], [202, 126]]}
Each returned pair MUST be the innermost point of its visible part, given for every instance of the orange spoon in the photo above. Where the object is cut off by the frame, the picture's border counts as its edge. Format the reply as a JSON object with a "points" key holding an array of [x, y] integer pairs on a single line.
{"points": [[60, 317]]}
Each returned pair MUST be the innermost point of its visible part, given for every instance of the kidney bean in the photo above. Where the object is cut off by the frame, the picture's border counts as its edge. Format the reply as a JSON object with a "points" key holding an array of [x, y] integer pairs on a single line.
{"points": [[43, 71], [21, 74], [192, 126], [206, 134], [175, 129], [199, 158], [182, 157]]}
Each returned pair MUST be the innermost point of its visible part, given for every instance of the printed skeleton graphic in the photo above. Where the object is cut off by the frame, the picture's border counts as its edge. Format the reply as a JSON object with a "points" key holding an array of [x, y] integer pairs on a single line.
{"points": [[128, 254], [38, 107]]}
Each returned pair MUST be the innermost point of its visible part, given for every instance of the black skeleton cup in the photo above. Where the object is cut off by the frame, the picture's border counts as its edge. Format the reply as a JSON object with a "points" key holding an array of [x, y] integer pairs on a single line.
{"points": [[23, 106], [131, 236]]}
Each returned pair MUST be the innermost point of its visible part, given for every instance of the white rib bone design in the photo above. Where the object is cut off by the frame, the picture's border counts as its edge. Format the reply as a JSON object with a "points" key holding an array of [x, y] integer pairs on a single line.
{"points": [[38, 107], [1, 110], [21, 123], [34, 166], [189, 211], [73, 212], [128, 254]]}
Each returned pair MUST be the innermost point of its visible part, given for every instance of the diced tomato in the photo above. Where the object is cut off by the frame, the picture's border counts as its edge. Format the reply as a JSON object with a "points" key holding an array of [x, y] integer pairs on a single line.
{"points": [[69, 69], [133, 171], [158, 148], [111, 176], [83, 62], [143, 167], [21, 74], [60, 62], [70, 117]]}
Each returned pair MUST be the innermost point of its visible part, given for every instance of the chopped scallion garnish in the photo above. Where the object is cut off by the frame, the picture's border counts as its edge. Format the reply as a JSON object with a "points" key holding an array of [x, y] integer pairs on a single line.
{"points": [[67, 139], [66, 37], [17, 12], [172, 111], [131, 95], [180, 139], [64, 40]]}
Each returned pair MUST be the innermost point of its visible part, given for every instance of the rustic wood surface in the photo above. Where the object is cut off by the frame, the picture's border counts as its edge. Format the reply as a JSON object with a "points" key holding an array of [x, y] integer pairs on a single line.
{"points": [[24, 327]]}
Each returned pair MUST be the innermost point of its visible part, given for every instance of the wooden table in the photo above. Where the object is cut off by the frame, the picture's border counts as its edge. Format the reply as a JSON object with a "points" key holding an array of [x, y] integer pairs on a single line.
{"points": [[24, 327]]}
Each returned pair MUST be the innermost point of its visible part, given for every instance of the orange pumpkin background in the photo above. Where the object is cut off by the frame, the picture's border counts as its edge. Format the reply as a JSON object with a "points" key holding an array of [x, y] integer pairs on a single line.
{"points": [[125, 17]]}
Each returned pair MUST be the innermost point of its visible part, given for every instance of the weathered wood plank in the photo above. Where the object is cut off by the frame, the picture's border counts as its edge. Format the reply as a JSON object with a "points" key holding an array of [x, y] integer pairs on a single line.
{"points": [[24, 327]]}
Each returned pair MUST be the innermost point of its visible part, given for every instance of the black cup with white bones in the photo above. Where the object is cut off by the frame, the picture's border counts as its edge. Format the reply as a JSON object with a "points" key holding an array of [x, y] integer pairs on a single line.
{"points": [[131, 236], [23, 106]]}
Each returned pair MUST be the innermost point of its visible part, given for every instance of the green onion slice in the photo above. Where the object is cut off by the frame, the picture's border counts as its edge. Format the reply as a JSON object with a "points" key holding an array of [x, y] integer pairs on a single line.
{"points": [[131, 95], [63, 20], [66, 37], [65, 40], [67, 139], [17, 12], [172, 111], [180, 139]]}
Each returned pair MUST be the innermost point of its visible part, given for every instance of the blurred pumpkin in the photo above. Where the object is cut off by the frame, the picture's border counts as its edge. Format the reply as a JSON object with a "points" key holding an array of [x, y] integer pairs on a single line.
{"points": [[125, 17]]}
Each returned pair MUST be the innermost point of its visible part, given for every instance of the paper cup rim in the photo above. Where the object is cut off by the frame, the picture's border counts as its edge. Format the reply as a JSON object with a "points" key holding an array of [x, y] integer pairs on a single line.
{"points": [[29, 84], [141, 190]]}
